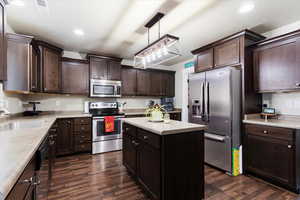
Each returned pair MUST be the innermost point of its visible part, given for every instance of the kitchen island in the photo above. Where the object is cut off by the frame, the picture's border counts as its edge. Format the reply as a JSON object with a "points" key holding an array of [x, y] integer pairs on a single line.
{"points": [[167, 160]]}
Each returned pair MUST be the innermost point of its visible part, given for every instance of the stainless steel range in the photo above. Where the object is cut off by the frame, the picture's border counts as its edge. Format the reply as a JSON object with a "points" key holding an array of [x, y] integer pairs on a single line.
{"points": [[106, 141]]}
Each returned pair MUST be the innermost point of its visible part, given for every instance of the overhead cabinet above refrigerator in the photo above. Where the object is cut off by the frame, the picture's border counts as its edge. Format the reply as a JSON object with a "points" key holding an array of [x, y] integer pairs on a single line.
{"points": [[214, 100]]}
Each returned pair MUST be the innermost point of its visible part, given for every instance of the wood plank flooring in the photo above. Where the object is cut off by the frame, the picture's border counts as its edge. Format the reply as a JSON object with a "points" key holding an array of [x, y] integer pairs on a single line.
{"points": [[103, 177]]}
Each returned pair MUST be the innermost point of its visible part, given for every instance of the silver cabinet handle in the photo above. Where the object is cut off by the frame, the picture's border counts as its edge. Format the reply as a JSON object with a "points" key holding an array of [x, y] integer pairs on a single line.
{"points": [[145, 137], [26, 181], [265, 132], [289, 146]]}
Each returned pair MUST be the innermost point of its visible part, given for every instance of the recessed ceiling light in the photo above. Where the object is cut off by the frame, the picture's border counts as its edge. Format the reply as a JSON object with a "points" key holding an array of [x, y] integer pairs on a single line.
{"points": [[78, 32], [17, 2], [247, 7]]}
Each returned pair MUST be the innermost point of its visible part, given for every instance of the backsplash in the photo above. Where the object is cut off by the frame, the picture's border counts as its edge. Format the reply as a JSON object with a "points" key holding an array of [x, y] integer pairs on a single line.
{"points": [[75, 103], [284, 103]]}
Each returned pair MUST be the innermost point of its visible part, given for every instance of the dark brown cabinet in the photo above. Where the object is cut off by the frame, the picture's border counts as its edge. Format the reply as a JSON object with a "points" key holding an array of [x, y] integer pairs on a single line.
{"points": [[156, 87], [3, 52], [270, 153], [157, 163], [73, 135], [204, 60], [277, 66], [143, 83], [19, 60], [50, 67], [75, 76], [35, 78], [105, 68], [175, 116], [168, 80], [227, 54], [24, 187], [65, 140], [129, 81]]}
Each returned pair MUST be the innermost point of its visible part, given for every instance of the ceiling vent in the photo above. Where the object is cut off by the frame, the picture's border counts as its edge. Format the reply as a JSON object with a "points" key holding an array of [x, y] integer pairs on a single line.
{"points": [[42, 3]]}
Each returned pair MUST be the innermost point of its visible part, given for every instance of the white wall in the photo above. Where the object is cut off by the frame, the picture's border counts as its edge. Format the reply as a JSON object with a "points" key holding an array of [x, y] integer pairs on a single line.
{"points": [[284, 103]]}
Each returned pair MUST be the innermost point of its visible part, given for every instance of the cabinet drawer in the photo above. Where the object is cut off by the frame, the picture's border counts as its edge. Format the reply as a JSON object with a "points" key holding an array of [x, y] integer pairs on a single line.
{"points": [[80, 121], [129, 130], [85, 147], [268, 131], [149, 138], [83, 136], [86, 127]]}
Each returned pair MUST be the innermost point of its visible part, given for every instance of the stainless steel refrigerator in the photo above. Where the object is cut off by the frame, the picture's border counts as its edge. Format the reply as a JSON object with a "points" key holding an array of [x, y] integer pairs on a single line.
{"points": [[215, 100]]}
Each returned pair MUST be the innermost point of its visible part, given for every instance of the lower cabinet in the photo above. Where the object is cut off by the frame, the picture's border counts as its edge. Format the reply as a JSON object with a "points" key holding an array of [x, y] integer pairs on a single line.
{"points": [[271, 153], [73, 136], [175, 116], [24, 187]]}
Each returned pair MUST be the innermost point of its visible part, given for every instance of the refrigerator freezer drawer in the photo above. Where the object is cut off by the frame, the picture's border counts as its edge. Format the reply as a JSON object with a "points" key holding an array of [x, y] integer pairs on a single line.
{"points": [[218, 151]]}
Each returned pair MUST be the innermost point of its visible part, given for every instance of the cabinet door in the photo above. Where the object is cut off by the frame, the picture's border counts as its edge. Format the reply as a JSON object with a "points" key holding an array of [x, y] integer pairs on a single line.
{"points": [[64, 140], [175, 116], [227, 53], [129, 153], [51, 70], [98, 68], [276, 66], [143, 83], [129, 85], [75, 76], [2, 42], [148, 168], [169, 79], [17, 62], [34, 70], [204, 61], [156, 84], [271, 158], [114, 71]]}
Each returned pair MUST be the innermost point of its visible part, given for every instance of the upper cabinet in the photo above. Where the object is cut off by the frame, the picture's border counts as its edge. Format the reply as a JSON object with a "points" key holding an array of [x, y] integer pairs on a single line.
{"points": [[2, 42], [75, 76], [233, 51], [50, 67], [169, 83], [19, 63], [204, 60], [227, 53], [143, 83], [277, 64], [129, 79], [105, 68]]}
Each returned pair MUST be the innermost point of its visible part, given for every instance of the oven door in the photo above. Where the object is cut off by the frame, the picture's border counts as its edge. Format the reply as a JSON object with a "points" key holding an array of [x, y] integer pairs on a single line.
{"points": [[99, 133], [105, 88]]}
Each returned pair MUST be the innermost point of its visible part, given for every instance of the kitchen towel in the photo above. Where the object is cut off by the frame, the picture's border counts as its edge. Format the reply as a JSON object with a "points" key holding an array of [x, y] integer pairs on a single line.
{"points": [[109, 123]]}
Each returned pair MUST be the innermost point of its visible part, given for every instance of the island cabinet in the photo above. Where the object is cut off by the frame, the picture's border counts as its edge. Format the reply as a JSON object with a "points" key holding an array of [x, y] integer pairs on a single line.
{"points": [[162, 169], [272, 153], [277, 63], [75, 76], [104, 68]]}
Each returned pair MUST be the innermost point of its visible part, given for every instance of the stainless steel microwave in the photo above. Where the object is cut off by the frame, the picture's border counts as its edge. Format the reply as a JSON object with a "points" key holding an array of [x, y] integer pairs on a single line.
{"points": [[105, 88]]}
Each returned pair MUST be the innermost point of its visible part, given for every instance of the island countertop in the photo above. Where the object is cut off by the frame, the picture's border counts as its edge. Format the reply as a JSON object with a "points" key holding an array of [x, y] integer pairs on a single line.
{"points": [[161, 128]]}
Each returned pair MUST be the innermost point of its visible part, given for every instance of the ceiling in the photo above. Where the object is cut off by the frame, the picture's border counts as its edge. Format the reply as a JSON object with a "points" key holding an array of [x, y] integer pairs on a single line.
{"points": [[116, 27]]}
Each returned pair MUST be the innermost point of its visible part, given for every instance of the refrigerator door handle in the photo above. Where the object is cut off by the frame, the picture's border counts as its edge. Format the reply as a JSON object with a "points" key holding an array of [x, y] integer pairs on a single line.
{"points": [[202, 103], [214, 137], [206, 101]]}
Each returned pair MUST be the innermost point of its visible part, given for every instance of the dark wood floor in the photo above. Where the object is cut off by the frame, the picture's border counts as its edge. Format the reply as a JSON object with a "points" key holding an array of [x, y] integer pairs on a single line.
{"points": [[102, 177]]}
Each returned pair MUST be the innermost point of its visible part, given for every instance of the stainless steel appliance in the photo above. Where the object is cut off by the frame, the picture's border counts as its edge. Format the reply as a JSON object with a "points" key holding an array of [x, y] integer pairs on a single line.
{"points": [[106, 141], [105, 88], [214, 100], [86, 107]]}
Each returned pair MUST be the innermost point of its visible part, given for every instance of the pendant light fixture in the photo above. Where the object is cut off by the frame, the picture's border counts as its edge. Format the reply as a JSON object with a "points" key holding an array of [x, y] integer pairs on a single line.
{"points": [[163, 49]]}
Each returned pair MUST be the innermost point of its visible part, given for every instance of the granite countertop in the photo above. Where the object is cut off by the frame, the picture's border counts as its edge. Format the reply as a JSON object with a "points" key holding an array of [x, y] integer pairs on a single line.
{"points": [[142, 111], [20, 138], [284, 121], [160, 128]]}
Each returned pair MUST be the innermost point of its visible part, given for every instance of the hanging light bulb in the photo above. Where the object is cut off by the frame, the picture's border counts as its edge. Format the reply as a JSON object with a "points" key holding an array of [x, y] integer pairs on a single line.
{"points": [[159, 53], [148, 58], [144, 61], [153, 56]]}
